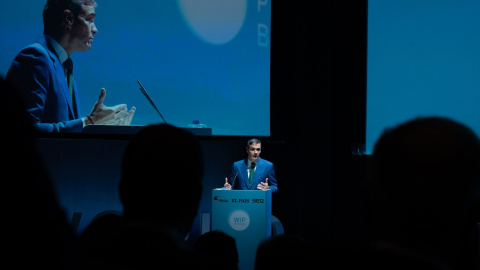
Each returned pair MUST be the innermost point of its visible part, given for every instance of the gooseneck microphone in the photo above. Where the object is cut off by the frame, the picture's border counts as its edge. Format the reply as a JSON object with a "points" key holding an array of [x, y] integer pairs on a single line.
{"points": [[150, 100], [233, 182]]}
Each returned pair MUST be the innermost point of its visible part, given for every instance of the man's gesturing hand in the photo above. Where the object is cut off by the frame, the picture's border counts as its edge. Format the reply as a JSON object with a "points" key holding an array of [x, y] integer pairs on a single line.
{"points": [[116, 115], [227, 185], [263, 185]]}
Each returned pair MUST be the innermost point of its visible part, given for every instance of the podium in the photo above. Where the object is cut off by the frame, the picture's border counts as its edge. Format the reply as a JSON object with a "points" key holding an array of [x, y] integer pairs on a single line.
{"points": [[129, 130], [246, 215]]}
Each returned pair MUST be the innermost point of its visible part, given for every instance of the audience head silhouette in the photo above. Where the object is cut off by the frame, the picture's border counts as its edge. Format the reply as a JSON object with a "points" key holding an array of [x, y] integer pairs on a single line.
{"points": [[161, 177], [285, 251], [217, 250], [423, 187]]}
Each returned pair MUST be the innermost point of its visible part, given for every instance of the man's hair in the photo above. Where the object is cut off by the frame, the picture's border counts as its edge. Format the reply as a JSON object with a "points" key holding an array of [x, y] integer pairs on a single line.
{"points": [[253, 141], [53, 12]]}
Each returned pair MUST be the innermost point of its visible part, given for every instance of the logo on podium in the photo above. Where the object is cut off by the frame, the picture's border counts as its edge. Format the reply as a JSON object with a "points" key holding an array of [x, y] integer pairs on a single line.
{"points": [[239, 220]]}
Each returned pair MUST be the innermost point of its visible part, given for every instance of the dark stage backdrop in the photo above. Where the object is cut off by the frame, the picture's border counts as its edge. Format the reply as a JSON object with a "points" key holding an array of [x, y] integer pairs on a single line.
{"points": [[90, 191]]}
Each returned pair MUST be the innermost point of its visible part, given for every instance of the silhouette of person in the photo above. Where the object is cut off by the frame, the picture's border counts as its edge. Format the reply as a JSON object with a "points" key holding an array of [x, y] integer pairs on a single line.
{"points": [[217, 250], [283, 251], [36, 233], [97, 240], [160, 189], [423, 193]]}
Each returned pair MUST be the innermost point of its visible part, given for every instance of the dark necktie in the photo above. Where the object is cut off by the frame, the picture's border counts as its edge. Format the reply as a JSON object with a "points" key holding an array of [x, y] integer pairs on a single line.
{"points": [[252, 171], [68, 64]]}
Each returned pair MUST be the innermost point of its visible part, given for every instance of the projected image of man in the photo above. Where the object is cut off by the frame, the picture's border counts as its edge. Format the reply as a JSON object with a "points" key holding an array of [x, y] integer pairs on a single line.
{"points": [[43, 71], [252, 173]]}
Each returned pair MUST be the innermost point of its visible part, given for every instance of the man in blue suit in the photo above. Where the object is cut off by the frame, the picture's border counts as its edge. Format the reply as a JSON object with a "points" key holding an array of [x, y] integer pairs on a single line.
{"points": [[253, 172], [41, 71]]}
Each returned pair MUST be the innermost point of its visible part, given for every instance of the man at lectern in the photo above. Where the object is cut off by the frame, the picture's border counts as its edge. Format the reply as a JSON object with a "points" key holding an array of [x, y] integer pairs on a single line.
{"points": [[43, 71], [252, 173]]}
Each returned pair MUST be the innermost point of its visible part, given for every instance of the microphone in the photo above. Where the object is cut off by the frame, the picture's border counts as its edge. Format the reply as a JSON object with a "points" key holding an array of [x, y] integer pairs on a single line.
{"points": [[150, 100], [224, 188], [233, 182]]}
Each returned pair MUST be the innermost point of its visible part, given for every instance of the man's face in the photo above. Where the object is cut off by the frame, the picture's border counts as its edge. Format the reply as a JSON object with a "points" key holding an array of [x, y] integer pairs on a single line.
{"points": [[83, 29], [253, 151]]}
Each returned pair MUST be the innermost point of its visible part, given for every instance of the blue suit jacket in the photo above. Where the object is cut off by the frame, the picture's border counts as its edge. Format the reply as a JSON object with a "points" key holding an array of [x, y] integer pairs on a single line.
{"points": [[239, 175], [38, 74]]}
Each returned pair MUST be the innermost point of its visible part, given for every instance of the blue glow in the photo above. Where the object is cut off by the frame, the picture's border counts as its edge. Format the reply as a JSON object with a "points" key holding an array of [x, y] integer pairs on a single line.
{"points": [[423, 59], [224, 83]]}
